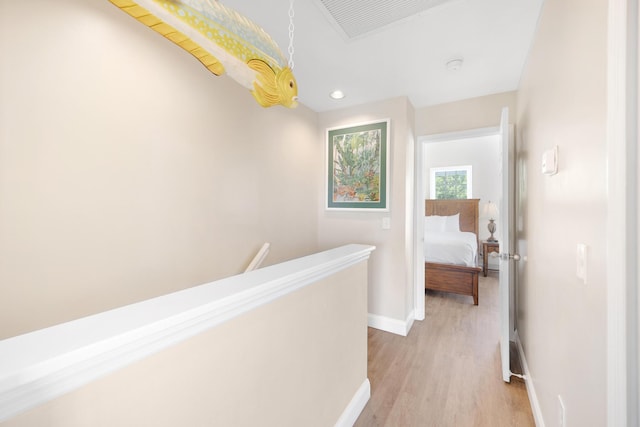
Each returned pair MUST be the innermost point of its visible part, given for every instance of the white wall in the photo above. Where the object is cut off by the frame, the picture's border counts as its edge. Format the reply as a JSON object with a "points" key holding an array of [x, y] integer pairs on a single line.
{"points": [[127, 170], [473, 113], [391, 292], [562, 101]]}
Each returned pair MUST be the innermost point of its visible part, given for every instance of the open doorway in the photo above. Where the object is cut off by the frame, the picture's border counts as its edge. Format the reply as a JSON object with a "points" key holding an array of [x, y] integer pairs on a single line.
{"points": [[478, 152], [498, 164]]}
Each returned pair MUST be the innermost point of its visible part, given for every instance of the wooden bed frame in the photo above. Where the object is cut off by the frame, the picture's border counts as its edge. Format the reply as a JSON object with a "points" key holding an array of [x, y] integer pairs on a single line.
{"points": [[458, 279]]}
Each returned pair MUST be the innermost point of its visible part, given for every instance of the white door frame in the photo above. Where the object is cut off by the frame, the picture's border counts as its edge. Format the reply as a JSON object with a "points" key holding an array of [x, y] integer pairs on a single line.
{"points": [[418, 225], [623, 325]]}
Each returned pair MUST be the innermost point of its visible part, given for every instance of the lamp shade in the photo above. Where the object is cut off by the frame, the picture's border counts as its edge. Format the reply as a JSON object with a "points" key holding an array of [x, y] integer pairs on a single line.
{"points": [[490, 210]]}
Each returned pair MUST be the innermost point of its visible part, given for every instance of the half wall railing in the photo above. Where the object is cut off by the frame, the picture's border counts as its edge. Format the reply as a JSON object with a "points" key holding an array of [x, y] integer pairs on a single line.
{"points": [[282, 345]]}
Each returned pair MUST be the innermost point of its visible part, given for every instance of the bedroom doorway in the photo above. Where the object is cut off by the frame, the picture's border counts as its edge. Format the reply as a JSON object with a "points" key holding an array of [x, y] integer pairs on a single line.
{"points": [[500, 136]]}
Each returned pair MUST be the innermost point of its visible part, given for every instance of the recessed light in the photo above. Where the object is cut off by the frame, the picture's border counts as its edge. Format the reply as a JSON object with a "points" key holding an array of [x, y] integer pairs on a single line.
{"points": [[337, 94]]}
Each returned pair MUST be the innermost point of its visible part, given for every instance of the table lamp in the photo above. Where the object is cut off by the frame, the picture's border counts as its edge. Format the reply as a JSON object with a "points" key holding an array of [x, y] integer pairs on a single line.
{"points": [[491, 211]]}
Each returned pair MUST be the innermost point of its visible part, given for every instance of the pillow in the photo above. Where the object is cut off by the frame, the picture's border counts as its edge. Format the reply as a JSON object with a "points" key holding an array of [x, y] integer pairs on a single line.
{"points": [[434, 223], [452, 223]]}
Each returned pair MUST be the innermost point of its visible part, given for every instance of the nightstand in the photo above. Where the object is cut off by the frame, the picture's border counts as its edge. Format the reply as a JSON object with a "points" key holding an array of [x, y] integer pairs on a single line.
{"points": [[487, 248]]}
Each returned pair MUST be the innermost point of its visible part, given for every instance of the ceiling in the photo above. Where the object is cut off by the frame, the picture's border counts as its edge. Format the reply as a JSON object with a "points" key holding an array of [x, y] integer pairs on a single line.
{"points": [[379, 49]]}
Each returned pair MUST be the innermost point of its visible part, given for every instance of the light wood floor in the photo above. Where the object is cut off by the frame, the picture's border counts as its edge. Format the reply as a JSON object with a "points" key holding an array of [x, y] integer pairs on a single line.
{"points": [[446, 372]]}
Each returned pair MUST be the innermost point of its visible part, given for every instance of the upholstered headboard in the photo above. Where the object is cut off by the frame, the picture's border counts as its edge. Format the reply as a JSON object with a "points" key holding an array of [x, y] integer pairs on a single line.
{"points": [[467, 208]]}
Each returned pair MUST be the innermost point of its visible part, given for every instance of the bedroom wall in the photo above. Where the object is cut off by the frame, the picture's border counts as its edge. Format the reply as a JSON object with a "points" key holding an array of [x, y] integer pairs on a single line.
{"points": [[127, 170], [561, 320], [391, 289], [468, 114], [482, 154]]}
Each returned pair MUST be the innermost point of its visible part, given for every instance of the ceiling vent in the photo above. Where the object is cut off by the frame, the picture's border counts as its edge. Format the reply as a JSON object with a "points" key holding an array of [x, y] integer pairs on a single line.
{"points": [[355, 18]]}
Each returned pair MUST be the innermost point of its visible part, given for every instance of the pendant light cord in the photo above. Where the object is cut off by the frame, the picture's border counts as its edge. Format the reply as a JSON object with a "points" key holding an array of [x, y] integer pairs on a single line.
{"points": [[291, 29]]}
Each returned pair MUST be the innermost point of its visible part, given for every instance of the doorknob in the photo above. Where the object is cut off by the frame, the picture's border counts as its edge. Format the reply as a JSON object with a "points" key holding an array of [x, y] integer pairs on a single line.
{"points": [[505, 257]]}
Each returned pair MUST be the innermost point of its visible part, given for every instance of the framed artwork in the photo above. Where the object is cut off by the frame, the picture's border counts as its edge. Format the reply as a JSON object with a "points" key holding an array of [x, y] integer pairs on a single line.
{"points": [[357, 176]]}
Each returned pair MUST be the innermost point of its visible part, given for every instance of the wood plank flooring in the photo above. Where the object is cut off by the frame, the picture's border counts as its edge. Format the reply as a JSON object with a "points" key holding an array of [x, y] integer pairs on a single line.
{"points": [[446, 372]]}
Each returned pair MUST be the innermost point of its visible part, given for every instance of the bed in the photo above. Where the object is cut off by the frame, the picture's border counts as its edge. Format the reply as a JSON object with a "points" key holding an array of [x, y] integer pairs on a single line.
{"points": [[449, 269]]}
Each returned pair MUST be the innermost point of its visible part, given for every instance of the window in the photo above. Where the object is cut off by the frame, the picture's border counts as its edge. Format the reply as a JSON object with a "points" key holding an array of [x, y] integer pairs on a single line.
{"points": [[452, 182]]}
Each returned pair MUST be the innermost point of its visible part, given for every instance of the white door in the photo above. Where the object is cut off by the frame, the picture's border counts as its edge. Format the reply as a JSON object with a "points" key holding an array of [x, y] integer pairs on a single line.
{"points": [[506, 218]]}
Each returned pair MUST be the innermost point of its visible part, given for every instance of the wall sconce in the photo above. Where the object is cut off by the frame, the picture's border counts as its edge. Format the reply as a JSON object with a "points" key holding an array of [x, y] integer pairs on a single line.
{"points": [[491, 211]]}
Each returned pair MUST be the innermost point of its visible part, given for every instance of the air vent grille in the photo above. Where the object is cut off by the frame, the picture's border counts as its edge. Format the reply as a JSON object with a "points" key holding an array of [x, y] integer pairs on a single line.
{"points": [[356, 17]]}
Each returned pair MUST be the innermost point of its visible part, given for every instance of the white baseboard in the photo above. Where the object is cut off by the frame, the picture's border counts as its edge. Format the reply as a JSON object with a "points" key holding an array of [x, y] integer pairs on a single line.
{"points": [[355, 407], [531, 391], [388, 324]]}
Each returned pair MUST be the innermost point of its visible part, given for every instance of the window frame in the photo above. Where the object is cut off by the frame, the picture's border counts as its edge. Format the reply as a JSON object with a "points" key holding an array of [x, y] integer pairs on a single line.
{"points": [[468, 169]]}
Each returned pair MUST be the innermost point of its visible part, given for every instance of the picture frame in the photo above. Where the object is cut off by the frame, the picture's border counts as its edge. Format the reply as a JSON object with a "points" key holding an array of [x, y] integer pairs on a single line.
{"points": [[357, 167]]}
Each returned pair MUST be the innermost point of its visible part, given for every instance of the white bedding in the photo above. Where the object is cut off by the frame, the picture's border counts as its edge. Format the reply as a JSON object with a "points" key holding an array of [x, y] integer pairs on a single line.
{"points": [[450, 247]]}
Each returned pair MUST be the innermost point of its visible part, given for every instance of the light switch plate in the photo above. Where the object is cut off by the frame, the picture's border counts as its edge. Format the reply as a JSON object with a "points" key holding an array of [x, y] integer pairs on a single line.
{"points": [[581, 262], [550, 161], [386, 223]]}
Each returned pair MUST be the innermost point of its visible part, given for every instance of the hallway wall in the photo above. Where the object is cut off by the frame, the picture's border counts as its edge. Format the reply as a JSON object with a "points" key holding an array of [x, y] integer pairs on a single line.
{"points": [[562, 102], [391, 289], [127, 170], [466, 114]]}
